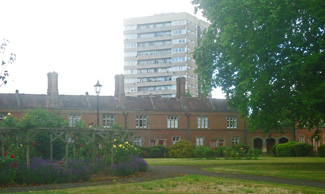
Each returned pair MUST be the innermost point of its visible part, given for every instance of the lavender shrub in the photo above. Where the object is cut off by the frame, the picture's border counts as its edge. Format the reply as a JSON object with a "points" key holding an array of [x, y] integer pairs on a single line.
{"points": [[134, 165]]}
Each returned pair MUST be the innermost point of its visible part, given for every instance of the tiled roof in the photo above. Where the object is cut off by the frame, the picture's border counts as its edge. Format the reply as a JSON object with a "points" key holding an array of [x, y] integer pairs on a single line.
{"points": [[75, 102]]}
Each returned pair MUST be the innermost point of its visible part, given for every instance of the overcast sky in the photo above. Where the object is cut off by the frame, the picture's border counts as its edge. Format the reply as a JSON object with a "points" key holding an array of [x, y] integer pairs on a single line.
{"points": [[81, 40]]}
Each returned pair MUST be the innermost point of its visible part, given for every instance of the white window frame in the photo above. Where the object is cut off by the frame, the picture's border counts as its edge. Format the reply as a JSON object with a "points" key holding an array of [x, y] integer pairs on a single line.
{"points": [[199, 141], [176, 139], [202, 122], [172, 122], [232, 122], [137, 141], [302, 138], [141, 121], [73, 119], [108, 120], [235, 140]]}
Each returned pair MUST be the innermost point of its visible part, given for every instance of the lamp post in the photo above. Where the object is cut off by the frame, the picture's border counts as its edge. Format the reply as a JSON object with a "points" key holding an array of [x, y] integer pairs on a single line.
{"points": [[98, 87]]}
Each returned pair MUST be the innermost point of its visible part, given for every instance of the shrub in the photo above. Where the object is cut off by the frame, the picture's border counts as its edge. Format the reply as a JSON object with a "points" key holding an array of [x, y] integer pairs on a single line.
{"points": [[243, 148], [321, 150], [286, 149], [181, 149], [303, 149], [199, 151], [163, 151], [220, 151], [273, 149], [8, 169], [253, 154], [135, 165], [154, 152], [204, 152]]}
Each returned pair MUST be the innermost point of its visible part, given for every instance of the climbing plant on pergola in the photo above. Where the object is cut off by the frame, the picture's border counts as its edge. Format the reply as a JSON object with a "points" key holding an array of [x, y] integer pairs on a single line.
{"points": [[95, 136]]}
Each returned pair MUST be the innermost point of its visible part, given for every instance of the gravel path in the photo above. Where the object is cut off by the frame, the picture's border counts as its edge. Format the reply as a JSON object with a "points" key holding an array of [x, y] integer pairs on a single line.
{"points": [[163, 172]]}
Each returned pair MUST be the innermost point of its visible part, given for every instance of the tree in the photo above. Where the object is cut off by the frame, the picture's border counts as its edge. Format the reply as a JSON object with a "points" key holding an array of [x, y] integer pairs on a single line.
{"points": [[268, 57], [5, 60]]}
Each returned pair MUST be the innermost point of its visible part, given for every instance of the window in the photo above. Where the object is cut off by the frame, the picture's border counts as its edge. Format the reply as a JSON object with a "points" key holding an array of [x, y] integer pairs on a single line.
{"points": [[199, 141], [202, 122], [130, 36], [152, 143], [232, 122], [235, 140], [141, 122], [172, 122], [221, 142], [214, 143], [137, 141], [301, 138], [73, 119], [108, 120], [176, 139]]}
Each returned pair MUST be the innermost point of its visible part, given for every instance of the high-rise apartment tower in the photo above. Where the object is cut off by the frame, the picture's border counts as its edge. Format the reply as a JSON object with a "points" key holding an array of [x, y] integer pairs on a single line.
{"points": [[157, 50]]}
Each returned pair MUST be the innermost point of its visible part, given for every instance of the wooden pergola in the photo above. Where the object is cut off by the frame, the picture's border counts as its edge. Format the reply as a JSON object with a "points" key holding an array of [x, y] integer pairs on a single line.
{"points": [[66, 135]]}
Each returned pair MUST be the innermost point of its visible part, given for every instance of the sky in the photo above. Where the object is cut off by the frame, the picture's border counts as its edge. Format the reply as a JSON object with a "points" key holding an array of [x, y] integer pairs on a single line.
{"points": [[81, 40]]}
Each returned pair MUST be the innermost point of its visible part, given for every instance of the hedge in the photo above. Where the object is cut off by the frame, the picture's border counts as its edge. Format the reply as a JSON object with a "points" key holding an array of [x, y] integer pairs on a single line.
{"points": [[303, 149], [321, 150], [286, 149]]}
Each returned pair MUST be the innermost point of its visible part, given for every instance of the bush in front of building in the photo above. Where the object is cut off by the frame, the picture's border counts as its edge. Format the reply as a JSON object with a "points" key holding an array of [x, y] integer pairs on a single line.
{"points": [[303, 149], [181, 149], [155, 152], [204, 152], [163, 151], [286, 149], [321, 151], [273, 150], [220, 151]]}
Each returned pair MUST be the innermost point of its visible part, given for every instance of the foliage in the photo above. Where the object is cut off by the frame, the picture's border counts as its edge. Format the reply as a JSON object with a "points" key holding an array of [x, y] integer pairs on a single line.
{"points": [[8, 169], [4, 61], [163, 151], [273, 149], [241, 147], [181, 149], [253, 154], [47, 172], [9, 121], [303, 149], [220, 151], [36, 118], [204, 152], [316, 135], [123, 151], [155, 153], [286, 149], [268, 57], [134, 165], [321, 150]]}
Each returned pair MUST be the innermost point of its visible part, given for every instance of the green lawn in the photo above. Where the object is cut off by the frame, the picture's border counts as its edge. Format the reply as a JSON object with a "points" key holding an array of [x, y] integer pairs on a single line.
{"points": [[192, 184], [308, 168]]}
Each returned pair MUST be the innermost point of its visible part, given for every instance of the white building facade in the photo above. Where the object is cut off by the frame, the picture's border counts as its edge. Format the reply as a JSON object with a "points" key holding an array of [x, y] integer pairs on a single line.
{"points": [[157, 50]]}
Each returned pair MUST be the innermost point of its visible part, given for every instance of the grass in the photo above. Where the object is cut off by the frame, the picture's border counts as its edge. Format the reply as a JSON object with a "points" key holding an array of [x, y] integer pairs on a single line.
{"points": [[307, 168], [192, 184]]}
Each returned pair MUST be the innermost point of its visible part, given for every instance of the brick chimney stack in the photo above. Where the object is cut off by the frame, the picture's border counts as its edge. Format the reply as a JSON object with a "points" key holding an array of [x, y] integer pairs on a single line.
{"points": [[180, 90], [52, 88], [119, 89]]}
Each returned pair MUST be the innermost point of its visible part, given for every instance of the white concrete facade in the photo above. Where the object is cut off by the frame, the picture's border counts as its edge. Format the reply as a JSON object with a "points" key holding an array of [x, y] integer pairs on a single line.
{"points": [[157, 50]]}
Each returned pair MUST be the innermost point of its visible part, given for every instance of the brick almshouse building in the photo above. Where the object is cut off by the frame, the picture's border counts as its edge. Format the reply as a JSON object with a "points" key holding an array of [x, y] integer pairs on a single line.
{"points": [[155, 120]]}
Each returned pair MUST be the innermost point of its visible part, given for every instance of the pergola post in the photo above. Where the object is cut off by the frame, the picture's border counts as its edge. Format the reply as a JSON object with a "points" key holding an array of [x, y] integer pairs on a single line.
{"points": [[66, 151], [51, 147], [112, 154], [27, 151]]}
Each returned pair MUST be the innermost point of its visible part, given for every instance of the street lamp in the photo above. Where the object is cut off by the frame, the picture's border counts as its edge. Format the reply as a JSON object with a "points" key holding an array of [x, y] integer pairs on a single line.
{"points": [[98, 87]]}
